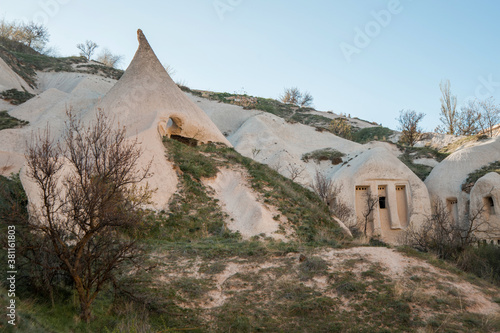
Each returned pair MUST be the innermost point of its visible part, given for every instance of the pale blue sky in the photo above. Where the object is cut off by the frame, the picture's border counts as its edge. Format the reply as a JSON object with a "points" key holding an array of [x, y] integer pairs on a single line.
{"points": [[260, 47]]}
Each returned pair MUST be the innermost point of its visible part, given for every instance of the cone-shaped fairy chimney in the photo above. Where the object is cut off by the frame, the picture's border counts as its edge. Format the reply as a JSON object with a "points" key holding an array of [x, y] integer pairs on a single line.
{"points": [[146, 96]]}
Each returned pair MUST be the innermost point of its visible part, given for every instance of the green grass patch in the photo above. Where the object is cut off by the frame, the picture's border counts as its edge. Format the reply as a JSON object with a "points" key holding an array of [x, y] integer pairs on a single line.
{"points": [[326, 154], [15, 96], [45, 63], [309, 215], [7, 121], [26, 61], [410, 154], [474, 176], [311, 267], [311, 119], [422, 171], [368, 134], [192, 288], [102, 70], [454, 146]]}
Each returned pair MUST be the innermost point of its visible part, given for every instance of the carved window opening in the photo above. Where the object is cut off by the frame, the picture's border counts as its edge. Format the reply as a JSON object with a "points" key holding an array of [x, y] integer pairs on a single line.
{"points": [[381, 202]]}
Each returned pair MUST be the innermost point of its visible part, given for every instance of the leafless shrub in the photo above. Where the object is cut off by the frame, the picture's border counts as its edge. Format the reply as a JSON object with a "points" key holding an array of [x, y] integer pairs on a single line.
{"points": [[338, 207], [109, 59], [295, 171], [277, 166], [170, 70], [444, 236], [323, 186], [255, 152]]}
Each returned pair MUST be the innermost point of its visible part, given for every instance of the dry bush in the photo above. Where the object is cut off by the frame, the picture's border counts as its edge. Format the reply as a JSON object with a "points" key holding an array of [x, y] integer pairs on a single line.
{"points": [[440, 234], [295, 171], [109, 59], [323, 186], [329, 192]]}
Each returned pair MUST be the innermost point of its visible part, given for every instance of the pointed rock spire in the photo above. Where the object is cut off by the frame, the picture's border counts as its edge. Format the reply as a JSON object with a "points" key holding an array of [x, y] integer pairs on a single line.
{"points": [[147, 96]]}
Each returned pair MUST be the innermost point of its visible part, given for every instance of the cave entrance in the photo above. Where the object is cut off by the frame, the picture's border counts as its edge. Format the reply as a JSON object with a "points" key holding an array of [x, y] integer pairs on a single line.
{"points": [[187, 141], [174, 131]]}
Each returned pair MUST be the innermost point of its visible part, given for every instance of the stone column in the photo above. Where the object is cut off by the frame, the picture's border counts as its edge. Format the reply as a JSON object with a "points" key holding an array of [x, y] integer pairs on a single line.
{"points": [[392, 202]]}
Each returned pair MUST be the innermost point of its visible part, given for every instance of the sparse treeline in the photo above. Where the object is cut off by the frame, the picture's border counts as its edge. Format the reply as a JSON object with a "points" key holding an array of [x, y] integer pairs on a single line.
{"points": [[296, 97], [34, 35], [477, 116], [106, 57]]}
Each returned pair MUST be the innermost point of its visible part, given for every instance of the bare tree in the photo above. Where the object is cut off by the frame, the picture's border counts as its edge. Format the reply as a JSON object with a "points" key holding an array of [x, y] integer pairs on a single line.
{"points": [[323, 186], [470, 119], [90, 201], [490, 114], [87, 49], [295, 97], [291, 96], [449, 116], [408, 124], [306, 99], [338, 207], [109, 59], [35, 35], [371, 202]]}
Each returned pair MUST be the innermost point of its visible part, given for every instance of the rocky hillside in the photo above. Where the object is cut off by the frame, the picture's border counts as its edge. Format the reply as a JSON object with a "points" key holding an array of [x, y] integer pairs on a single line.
{"points": [[244, 244]]}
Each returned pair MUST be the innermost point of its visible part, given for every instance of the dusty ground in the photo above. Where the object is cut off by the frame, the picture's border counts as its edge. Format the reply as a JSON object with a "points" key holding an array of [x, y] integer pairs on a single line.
{"points": [[421, 283]]}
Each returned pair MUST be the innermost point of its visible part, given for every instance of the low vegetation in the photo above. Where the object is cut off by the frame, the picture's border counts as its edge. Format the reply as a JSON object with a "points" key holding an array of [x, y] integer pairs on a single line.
{"points": [[303, 208], [326, 154], [368, 134], [26, 61], [7, 121], [15, 96], [454, 146], [474, 176], [203, 278], [410, 154]]}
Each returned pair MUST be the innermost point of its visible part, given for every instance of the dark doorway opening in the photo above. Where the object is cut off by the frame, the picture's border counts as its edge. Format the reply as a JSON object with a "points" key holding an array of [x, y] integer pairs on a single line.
{"points": [[187, 141], [381, 202]]}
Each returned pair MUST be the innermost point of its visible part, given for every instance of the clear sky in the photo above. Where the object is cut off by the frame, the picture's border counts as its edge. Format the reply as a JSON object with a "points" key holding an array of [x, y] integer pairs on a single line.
{"points": [[366, 58]]}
